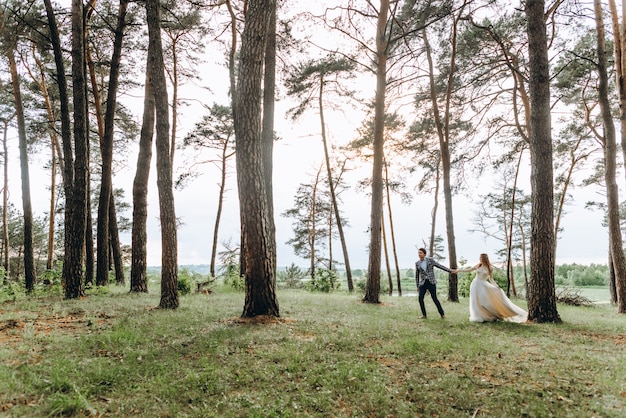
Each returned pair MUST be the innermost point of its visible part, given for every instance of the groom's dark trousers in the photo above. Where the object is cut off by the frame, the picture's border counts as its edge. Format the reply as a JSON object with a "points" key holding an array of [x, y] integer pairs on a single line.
{"points": [[428, 286]]}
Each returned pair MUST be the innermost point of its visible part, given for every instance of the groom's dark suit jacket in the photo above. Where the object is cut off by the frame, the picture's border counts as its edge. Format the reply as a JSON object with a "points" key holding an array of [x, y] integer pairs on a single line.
{"points": [[422, 275]]}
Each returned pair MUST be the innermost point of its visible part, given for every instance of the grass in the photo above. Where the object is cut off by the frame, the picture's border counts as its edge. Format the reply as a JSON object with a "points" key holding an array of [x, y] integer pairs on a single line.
{"points": [[112, 354]]}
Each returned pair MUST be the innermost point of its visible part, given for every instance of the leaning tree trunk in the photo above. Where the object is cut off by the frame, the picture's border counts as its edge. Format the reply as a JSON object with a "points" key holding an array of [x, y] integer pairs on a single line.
{"points": [[29, 260], [256, 245], [372, 288], [156, 67], [391, 229], [610, 167], [333, 196], [541, 290], [386, 252], [114, 240], [220, 204]]}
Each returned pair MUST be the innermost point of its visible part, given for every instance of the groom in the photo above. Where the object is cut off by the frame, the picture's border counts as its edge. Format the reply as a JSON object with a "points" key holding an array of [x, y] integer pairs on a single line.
{"points": [[426, 281]]}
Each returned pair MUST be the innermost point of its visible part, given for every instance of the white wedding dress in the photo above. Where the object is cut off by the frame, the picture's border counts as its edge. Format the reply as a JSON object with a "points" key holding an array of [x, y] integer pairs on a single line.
{"points": [[488, 302]]}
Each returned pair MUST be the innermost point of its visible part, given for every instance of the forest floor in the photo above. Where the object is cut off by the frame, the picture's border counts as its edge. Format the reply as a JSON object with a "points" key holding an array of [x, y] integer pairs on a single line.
{"points": [[113, 354]]}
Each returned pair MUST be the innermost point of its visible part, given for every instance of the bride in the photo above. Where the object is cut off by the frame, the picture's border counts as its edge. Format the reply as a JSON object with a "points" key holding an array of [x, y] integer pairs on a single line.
{"points": [[487, 301]]}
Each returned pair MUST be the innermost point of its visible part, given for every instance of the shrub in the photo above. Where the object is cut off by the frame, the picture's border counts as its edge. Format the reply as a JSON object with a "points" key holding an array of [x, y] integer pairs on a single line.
{"points": [[291, 277], [324, 281], [185, 282], [237, 283]]}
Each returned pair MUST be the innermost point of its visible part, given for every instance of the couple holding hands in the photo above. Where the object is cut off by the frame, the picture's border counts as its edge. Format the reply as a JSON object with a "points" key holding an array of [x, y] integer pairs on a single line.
{"points": [[487, 301]]}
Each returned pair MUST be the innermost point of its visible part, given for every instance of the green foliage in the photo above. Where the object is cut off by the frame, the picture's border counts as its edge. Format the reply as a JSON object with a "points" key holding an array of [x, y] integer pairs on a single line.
{"points": [[324, 281], [409, 274], [237, 283], [189, 279], [185, 282], [229, 273], [291, 277], [578, 275], [11, 290]]}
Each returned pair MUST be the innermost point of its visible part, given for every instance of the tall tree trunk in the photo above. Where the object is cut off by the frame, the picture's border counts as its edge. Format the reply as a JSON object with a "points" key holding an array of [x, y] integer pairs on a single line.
{"points": [[220, 204], [66, 160], [541, 290], [256, 245], [53, 205], [139, 238], [267, 130], [5, 203], [391, 229], [372, 288], [331, 186], [156, 67], [453, 294], [433, 211], [89, 250], [40, 80], [313, 225], [106, 149], [74, 238], [29, 260], [174, 80], [386, 252], [509, 236], [619, 42], [610, 167], [444, 147], [114, 238]]}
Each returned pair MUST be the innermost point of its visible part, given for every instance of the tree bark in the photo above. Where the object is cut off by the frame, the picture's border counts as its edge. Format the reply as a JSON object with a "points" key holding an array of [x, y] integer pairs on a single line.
{"points": [[391, 228], [610, 167], [331, 186], [256, 245], [106, 149], [114, 239], [29, 260], [74, 215], [220, 204], [619, 42], [5, 203], [156, 67], [541, 290], [138, 273], [372, 288], [267, 130]]}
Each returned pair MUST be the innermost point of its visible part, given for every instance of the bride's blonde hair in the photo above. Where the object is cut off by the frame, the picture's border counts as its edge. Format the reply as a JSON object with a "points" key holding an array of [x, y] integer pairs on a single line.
{"points": [[484, 261]]}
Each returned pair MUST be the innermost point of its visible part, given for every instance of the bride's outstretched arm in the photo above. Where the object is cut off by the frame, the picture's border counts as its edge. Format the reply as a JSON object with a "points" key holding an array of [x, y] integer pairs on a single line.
{"points": [[467, 270]]}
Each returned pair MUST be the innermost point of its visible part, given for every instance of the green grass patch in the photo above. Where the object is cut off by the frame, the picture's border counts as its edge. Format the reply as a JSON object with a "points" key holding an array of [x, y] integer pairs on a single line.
{"points": [[113, 354]]}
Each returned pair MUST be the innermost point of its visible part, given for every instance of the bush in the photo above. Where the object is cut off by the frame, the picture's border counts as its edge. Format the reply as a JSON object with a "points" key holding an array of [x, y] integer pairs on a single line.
{"points": [[291, 277], [185, 281], [589, 277], [324, 281], [237, 283]]}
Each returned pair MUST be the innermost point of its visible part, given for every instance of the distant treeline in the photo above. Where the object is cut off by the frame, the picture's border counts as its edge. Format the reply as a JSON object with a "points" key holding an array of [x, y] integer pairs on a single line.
{"points": [[579, 275]]}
